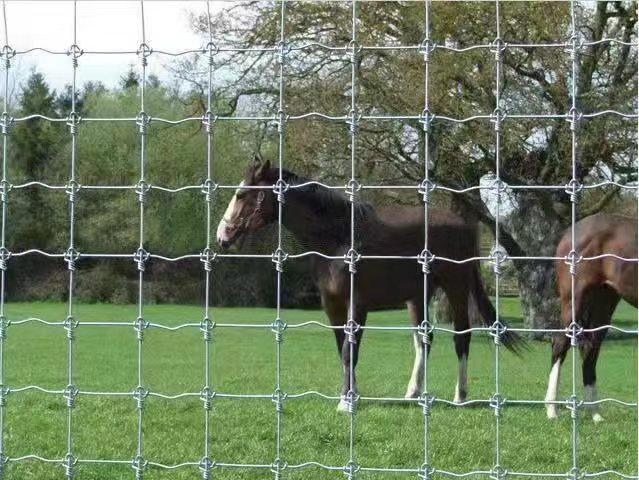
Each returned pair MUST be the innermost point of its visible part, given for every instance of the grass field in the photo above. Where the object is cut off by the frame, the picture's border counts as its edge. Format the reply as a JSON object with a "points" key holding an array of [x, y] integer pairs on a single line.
{"points": [[243, 430]]}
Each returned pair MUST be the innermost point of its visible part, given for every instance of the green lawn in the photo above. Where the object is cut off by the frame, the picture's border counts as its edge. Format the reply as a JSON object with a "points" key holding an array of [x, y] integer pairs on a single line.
{"points": [[243, 430]]}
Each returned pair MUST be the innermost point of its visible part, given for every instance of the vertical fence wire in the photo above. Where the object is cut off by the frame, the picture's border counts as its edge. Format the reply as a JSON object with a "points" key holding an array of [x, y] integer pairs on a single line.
{"points": [[425, 191], [352, 326], [71, 254], [573, 191], [497, 252], [4, 253], [279, 256], [637, 215], [139, 463], [206, 258]]}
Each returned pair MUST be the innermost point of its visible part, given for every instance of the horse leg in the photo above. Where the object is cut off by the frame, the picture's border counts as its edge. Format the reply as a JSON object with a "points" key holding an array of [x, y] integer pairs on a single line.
{"points": [[600, 313], [458, 298], [336, 310], [560, 346], [350, 355], [416, 383]]}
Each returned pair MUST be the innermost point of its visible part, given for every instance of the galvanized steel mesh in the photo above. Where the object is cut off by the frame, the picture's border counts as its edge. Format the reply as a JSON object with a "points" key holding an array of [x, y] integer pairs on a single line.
{"points": [[208, 463]]}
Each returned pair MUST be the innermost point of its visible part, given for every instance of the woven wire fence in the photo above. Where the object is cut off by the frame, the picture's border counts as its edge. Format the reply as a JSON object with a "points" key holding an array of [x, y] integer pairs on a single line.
{"points": [[208, 463]]}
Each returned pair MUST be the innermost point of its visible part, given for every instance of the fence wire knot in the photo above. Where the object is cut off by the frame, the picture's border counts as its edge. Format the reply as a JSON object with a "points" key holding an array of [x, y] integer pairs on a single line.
{"points": [[6, 122], [573, 188], [573, 332], [575, 43], [426, 401], [206, 327], [497, 331], [350, 469], [572, 259], [139, 395], [71, 189], [498, 257], [425, 331], [7, 54], [277, 327], [142, 121], [70, 393], [497, 402], [277, 466], [208, 120], [351, 258], [499, 47], [426, 471], [142, 189], [498, 473], [74, 52], [208, 188], [353, 49], [351, 327], [140, 325], [5, 188], [573, 404], [208, 257], [207, 395], [71, 256], [70, 324], [4, 391], [68, 463], [426, 48], [212, 49], [426, 119], [280, 119], [278, 398], [425, 189], [5, 255], [140, 257], [498, 117], [138, 464], [279, 189], [73, 121], [278, 257], [143, 52], [282, 51], [353, 122], [205, 466], [351, 189], [575, 474], [426, 259], [4, 323], [574, 117]]}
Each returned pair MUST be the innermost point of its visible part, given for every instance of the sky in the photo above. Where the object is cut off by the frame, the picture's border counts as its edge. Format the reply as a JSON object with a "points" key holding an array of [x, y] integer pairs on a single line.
{"points": [[102, 25]]}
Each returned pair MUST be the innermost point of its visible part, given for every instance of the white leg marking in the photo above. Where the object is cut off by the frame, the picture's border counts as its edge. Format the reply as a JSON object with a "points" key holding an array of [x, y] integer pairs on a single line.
{"points": [[462, 381], [590, 395], [553, 388], [416, 383], [342, 406]]}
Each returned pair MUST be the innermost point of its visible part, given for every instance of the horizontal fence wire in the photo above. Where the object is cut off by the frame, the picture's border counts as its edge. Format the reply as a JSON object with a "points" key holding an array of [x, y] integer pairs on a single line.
{"points": [[206, 325]]}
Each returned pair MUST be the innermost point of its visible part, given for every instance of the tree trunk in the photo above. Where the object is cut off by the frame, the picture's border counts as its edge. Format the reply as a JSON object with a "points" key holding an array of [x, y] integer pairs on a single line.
{"points": [[537, 228]]}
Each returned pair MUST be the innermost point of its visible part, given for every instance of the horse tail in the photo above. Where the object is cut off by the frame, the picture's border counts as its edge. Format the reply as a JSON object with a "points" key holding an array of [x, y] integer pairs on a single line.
{"points": [[511, 340]]}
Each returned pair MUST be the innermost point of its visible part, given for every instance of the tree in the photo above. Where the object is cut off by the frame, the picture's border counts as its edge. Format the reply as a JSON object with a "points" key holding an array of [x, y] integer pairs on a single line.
{"points": [[535, 80]]}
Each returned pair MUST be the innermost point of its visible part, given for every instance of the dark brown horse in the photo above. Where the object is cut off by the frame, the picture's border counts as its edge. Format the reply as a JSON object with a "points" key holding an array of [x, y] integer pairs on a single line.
{"points": [[599, 285], [320, 220]]}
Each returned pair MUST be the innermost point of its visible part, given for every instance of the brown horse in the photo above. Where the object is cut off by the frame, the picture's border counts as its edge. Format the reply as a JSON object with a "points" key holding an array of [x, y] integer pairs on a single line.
{"points": [[320, 220], [599, 285]]}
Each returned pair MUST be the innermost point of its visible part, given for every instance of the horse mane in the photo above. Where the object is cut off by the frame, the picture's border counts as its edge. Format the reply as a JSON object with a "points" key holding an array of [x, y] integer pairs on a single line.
{"points": [[324, 200]]}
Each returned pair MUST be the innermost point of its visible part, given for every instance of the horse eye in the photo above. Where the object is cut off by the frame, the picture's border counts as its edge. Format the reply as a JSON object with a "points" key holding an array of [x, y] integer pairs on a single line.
{"points": [[260, 196]]}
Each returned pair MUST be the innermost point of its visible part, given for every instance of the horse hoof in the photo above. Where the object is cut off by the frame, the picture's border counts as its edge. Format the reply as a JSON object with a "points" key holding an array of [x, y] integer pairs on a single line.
{"points": [[411, 394], [597, 418], [342, 406]]}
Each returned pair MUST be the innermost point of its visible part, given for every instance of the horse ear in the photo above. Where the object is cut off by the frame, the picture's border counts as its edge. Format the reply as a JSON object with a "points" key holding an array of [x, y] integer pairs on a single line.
{"points": [[266, 165], [257, 159]]}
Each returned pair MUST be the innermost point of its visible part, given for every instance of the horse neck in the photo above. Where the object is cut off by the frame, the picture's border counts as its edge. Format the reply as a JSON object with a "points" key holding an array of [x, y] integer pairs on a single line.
{"points": [[318, 218]]}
